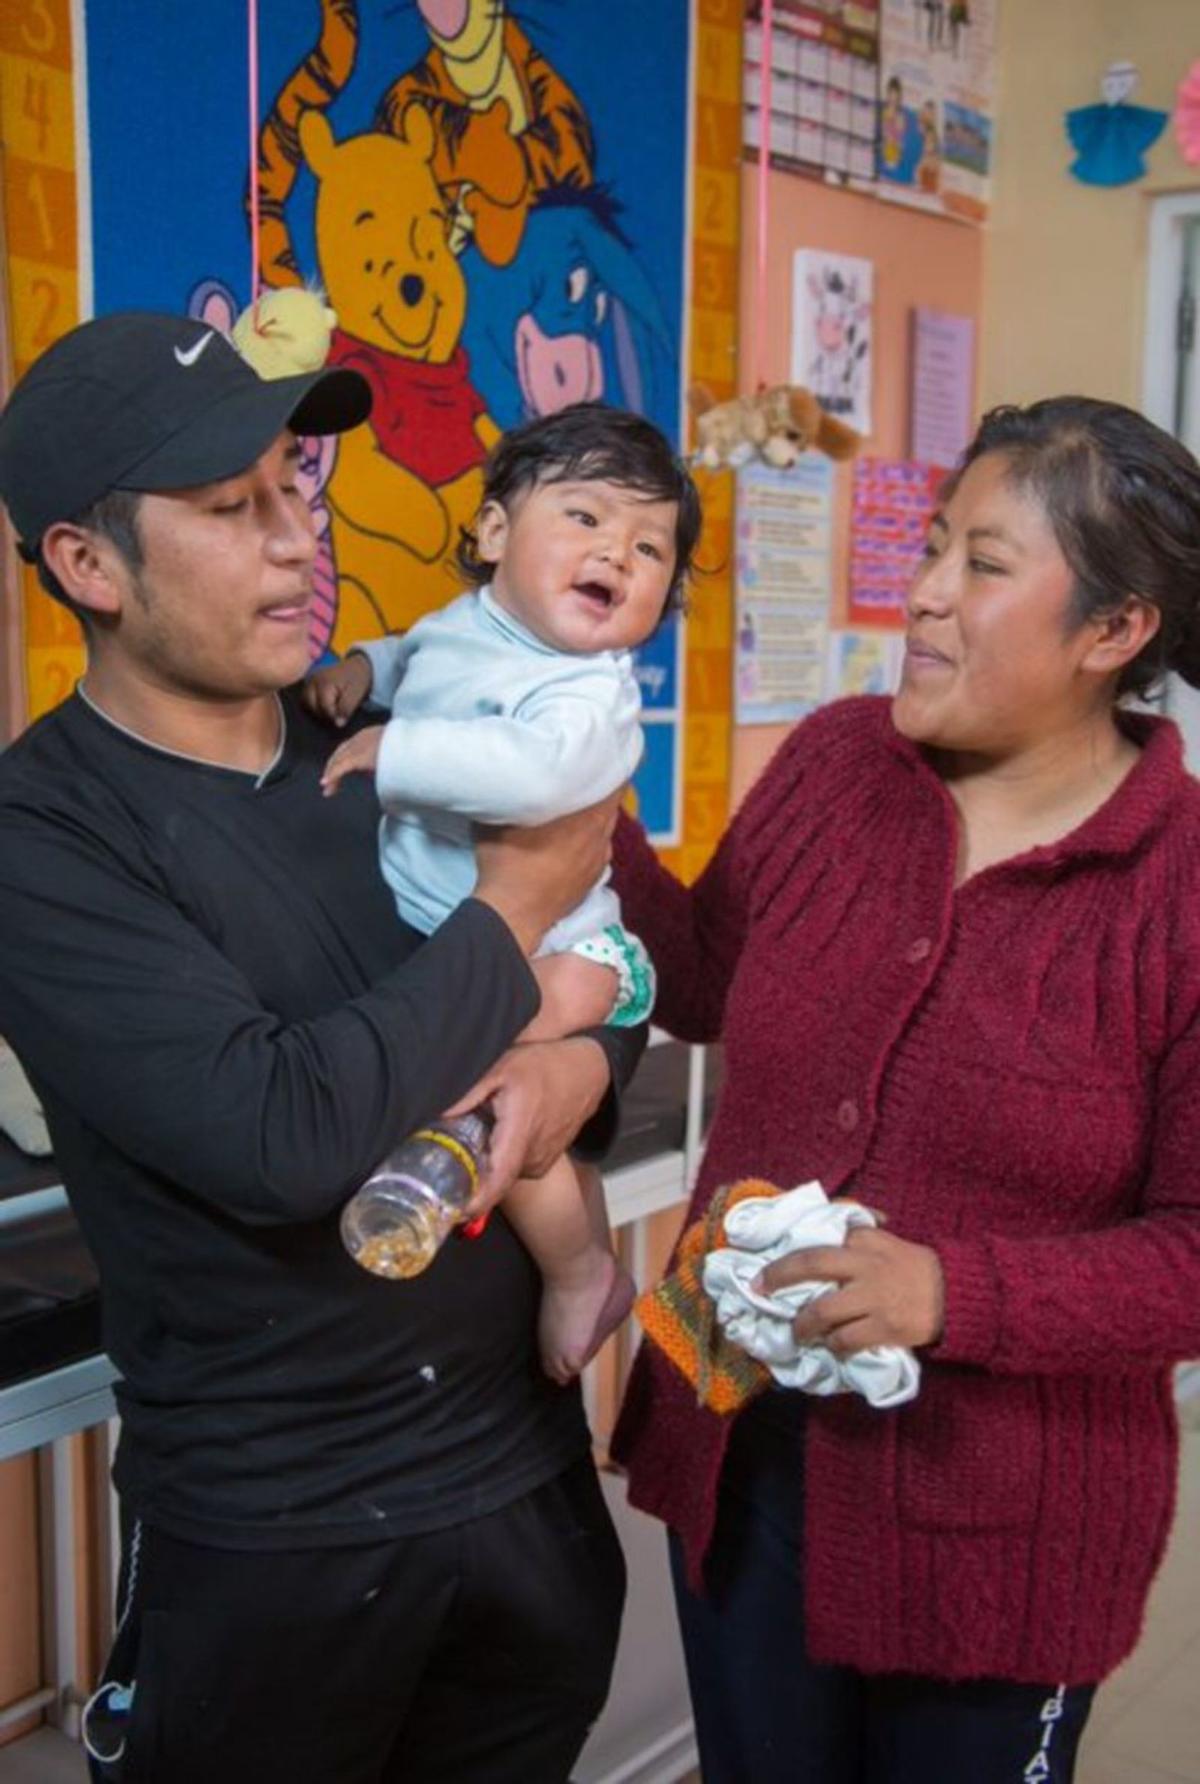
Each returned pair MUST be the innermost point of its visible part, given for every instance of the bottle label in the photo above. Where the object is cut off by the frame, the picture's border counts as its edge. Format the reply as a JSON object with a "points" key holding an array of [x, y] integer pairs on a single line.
{"points": [[466, 1158]]}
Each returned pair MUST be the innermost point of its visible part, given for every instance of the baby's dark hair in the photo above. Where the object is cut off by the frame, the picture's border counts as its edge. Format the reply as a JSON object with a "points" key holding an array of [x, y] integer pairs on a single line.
{"points": [[590, 442]]}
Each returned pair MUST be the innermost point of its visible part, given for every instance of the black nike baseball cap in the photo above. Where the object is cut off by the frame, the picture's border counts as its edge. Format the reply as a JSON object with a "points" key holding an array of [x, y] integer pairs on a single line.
{"points": [[143, 401]]}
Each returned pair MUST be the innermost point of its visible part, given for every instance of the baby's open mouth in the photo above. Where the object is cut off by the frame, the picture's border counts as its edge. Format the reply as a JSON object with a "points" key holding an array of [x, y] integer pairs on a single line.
{"points": [[597, 592]]}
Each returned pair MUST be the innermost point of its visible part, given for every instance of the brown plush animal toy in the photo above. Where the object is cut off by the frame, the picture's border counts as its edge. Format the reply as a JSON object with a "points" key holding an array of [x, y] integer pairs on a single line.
{"points": [[776, 425]]}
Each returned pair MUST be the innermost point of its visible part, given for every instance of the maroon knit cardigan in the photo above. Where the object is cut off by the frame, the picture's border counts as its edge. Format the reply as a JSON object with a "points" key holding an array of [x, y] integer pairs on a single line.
{"points": [[1011, 1071]]}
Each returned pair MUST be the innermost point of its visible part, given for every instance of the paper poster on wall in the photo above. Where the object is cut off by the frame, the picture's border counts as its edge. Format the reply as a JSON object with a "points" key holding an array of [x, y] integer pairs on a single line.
{"points": [[784, 545], [943, 386], [936, 73], [832, 330], [863, 662], [824, 77], [892, 504]]}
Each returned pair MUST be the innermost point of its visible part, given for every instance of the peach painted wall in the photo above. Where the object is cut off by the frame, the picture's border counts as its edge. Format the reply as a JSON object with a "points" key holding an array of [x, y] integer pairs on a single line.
{"points": [[918, 260], [1067, 263]]}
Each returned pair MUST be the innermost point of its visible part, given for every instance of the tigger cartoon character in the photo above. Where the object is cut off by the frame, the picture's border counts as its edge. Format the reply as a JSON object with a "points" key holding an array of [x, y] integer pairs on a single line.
{"points": [[407, 481], [313, 86], [508, 125]]}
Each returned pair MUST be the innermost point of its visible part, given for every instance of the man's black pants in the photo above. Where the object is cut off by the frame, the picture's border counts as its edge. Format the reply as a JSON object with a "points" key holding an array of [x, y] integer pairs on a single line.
{"points": [[480, 1653]]}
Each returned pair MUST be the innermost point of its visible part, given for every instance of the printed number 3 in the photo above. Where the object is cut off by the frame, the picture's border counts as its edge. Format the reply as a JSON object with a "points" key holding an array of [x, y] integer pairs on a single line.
{"points": [[38, 28]]}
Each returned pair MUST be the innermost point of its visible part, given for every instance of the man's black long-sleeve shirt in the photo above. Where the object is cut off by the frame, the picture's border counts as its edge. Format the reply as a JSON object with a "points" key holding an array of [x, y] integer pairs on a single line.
{"points": [[229, 1026]]}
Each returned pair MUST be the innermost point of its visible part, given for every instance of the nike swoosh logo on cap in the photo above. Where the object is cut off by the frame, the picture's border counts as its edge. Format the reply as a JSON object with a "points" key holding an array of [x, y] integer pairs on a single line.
{"points": [[193, 353]]}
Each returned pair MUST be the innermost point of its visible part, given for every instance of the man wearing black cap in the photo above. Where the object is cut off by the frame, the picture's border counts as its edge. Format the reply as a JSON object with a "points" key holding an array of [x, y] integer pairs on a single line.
{"points": [[364, 1540]]}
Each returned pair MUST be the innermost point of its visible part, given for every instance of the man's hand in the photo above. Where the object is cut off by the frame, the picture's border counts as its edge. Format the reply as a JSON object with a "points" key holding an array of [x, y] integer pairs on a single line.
{"points": [[338, 690], [534, 874], [889, 1291], [358, 755], [540, 1095]]}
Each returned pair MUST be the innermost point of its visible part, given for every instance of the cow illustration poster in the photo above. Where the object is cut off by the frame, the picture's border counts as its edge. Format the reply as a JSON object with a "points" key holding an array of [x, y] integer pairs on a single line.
{"points": [[492, 195], [832, 332]]}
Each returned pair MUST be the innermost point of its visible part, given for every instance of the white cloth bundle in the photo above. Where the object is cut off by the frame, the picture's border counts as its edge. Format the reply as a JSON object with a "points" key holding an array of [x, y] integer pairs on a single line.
{"points": [[768, 1227]]}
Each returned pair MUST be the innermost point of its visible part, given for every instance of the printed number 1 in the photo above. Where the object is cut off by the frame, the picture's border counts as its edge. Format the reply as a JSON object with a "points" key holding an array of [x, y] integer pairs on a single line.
{"points": [[37, 196]]}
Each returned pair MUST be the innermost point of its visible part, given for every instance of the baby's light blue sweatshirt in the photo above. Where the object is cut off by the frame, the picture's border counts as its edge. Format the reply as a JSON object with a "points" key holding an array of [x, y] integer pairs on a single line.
{"points": [[490, 725]]}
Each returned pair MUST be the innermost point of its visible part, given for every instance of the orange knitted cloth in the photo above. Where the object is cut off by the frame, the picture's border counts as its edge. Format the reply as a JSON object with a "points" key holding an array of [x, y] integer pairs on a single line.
{"points": [[680, 1318]]}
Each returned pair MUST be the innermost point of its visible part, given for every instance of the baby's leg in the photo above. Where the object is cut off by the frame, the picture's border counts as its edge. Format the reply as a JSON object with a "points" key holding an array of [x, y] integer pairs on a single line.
{"points": [[606, 977], [585, 1292], [576, 994]]}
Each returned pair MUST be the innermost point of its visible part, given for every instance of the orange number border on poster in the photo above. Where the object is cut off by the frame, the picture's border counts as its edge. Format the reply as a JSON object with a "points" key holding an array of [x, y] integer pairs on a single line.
{"points": [[39, 192], [712, 361]]}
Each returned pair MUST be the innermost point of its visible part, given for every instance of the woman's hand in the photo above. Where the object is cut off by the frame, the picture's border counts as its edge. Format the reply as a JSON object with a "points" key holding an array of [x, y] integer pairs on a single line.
{"points": [[889, 1291]]}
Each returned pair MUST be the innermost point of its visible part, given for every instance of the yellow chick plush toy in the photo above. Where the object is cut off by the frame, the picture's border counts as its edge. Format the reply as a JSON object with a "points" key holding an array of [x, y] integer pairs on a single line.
{"points": [[291, 332]]}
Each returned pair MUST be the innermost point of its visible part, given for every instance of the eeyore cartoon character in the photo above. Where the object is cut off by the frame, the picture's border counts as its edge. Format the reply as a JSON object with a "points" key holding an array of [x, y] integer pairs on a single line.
{"points": [[573, 317]]}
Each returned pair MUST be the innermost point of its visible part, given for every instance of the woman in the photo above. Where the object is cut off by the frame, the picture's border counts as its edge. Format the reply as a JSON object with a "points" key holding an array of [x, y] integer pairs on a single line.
{"points": [[952, 944]]}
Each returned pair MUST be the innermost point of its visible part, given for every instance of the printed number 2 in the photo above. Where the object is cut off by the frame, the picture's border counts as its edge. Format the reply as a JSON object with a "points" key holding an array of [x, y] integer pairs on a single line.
{"points": [[712, 204], [46, 296]]}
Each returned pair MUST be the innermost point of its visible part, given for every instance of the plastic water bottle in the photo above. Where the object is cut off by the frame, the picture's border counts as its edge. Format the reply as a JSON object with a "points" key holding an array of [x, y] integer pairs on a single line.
{"points": [[397, 1222]]}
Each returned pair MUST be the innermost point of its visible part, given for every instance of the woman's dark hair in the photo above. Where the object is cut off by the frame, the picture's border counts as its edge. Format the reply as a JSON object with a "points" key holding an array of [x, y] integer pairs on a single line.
{"points": [[114, 516], [589, 442], [1123, 499]]}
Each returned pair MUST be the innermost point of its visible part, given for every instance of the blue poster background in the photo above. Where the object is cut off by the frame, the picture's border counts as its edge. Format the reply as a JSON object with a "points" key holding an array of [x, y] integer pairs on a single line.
{"points": [[168, 132], [174, 77]]}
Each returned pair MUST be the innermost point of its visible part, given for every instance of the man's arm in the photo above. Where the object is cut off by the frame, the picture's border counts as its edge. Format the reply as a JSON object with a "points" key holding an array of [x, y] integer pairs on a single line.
{"points": [[623, 1049], [129, 1017]]}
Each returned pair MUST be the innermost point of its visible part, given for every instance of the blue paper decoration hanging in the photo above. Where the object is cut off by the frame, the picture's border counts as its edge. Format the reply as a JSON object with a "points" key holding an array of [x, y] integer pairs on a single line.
{"points": [[1111, 139]]}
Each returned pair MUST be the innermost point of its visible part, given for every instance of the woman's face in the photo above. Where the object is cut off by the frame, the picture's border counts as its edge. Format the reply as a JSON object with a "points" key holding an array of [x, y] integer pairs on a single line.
{"points": [[994, 662]]}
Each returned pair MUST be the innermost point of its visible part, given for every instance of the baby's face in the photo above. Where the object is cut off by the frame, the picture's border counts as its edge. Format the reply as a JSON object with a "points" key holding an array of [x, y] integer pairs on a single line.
{"points": [[585, 566]]}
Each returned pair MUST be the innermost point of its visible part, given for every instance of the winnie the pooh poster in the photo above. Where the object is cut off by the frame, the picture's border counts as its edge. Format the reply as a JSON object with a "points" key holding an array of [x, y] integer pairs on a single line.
{"points": [[492, 195]]}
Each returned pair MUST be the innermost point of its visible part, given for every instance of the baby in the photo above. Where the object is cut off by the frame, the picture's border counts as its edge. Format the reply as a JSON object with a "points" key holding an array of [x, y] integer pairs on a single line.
{"points": [[516, 704]]}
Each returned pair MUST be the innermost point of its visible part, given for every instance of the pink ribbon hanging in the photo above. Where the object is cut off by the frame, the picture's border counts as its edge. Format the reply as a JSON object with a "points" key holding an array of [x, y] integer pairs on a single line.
{"points": [[764, 172], [252, 61]]}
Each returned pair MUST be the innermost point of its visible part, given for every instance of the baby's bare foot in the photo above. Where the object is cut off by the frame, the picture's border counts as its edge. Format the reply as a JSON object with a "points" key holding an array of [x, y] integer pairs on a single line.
{"points": [[578, 1315]]}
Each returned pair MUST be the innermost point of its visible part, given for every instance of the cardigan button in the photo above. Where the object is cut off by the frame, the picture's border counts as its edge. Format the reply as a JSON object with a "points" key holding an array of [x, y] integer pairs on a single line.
{"points": [[919, 950], [847, 1116]]}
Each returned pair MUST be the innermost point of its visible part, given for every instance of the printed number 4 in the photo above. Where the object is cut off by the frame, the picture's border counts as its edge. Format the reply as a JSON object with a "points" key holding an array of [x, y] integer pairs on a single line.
{"points": [[37, 106]]}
